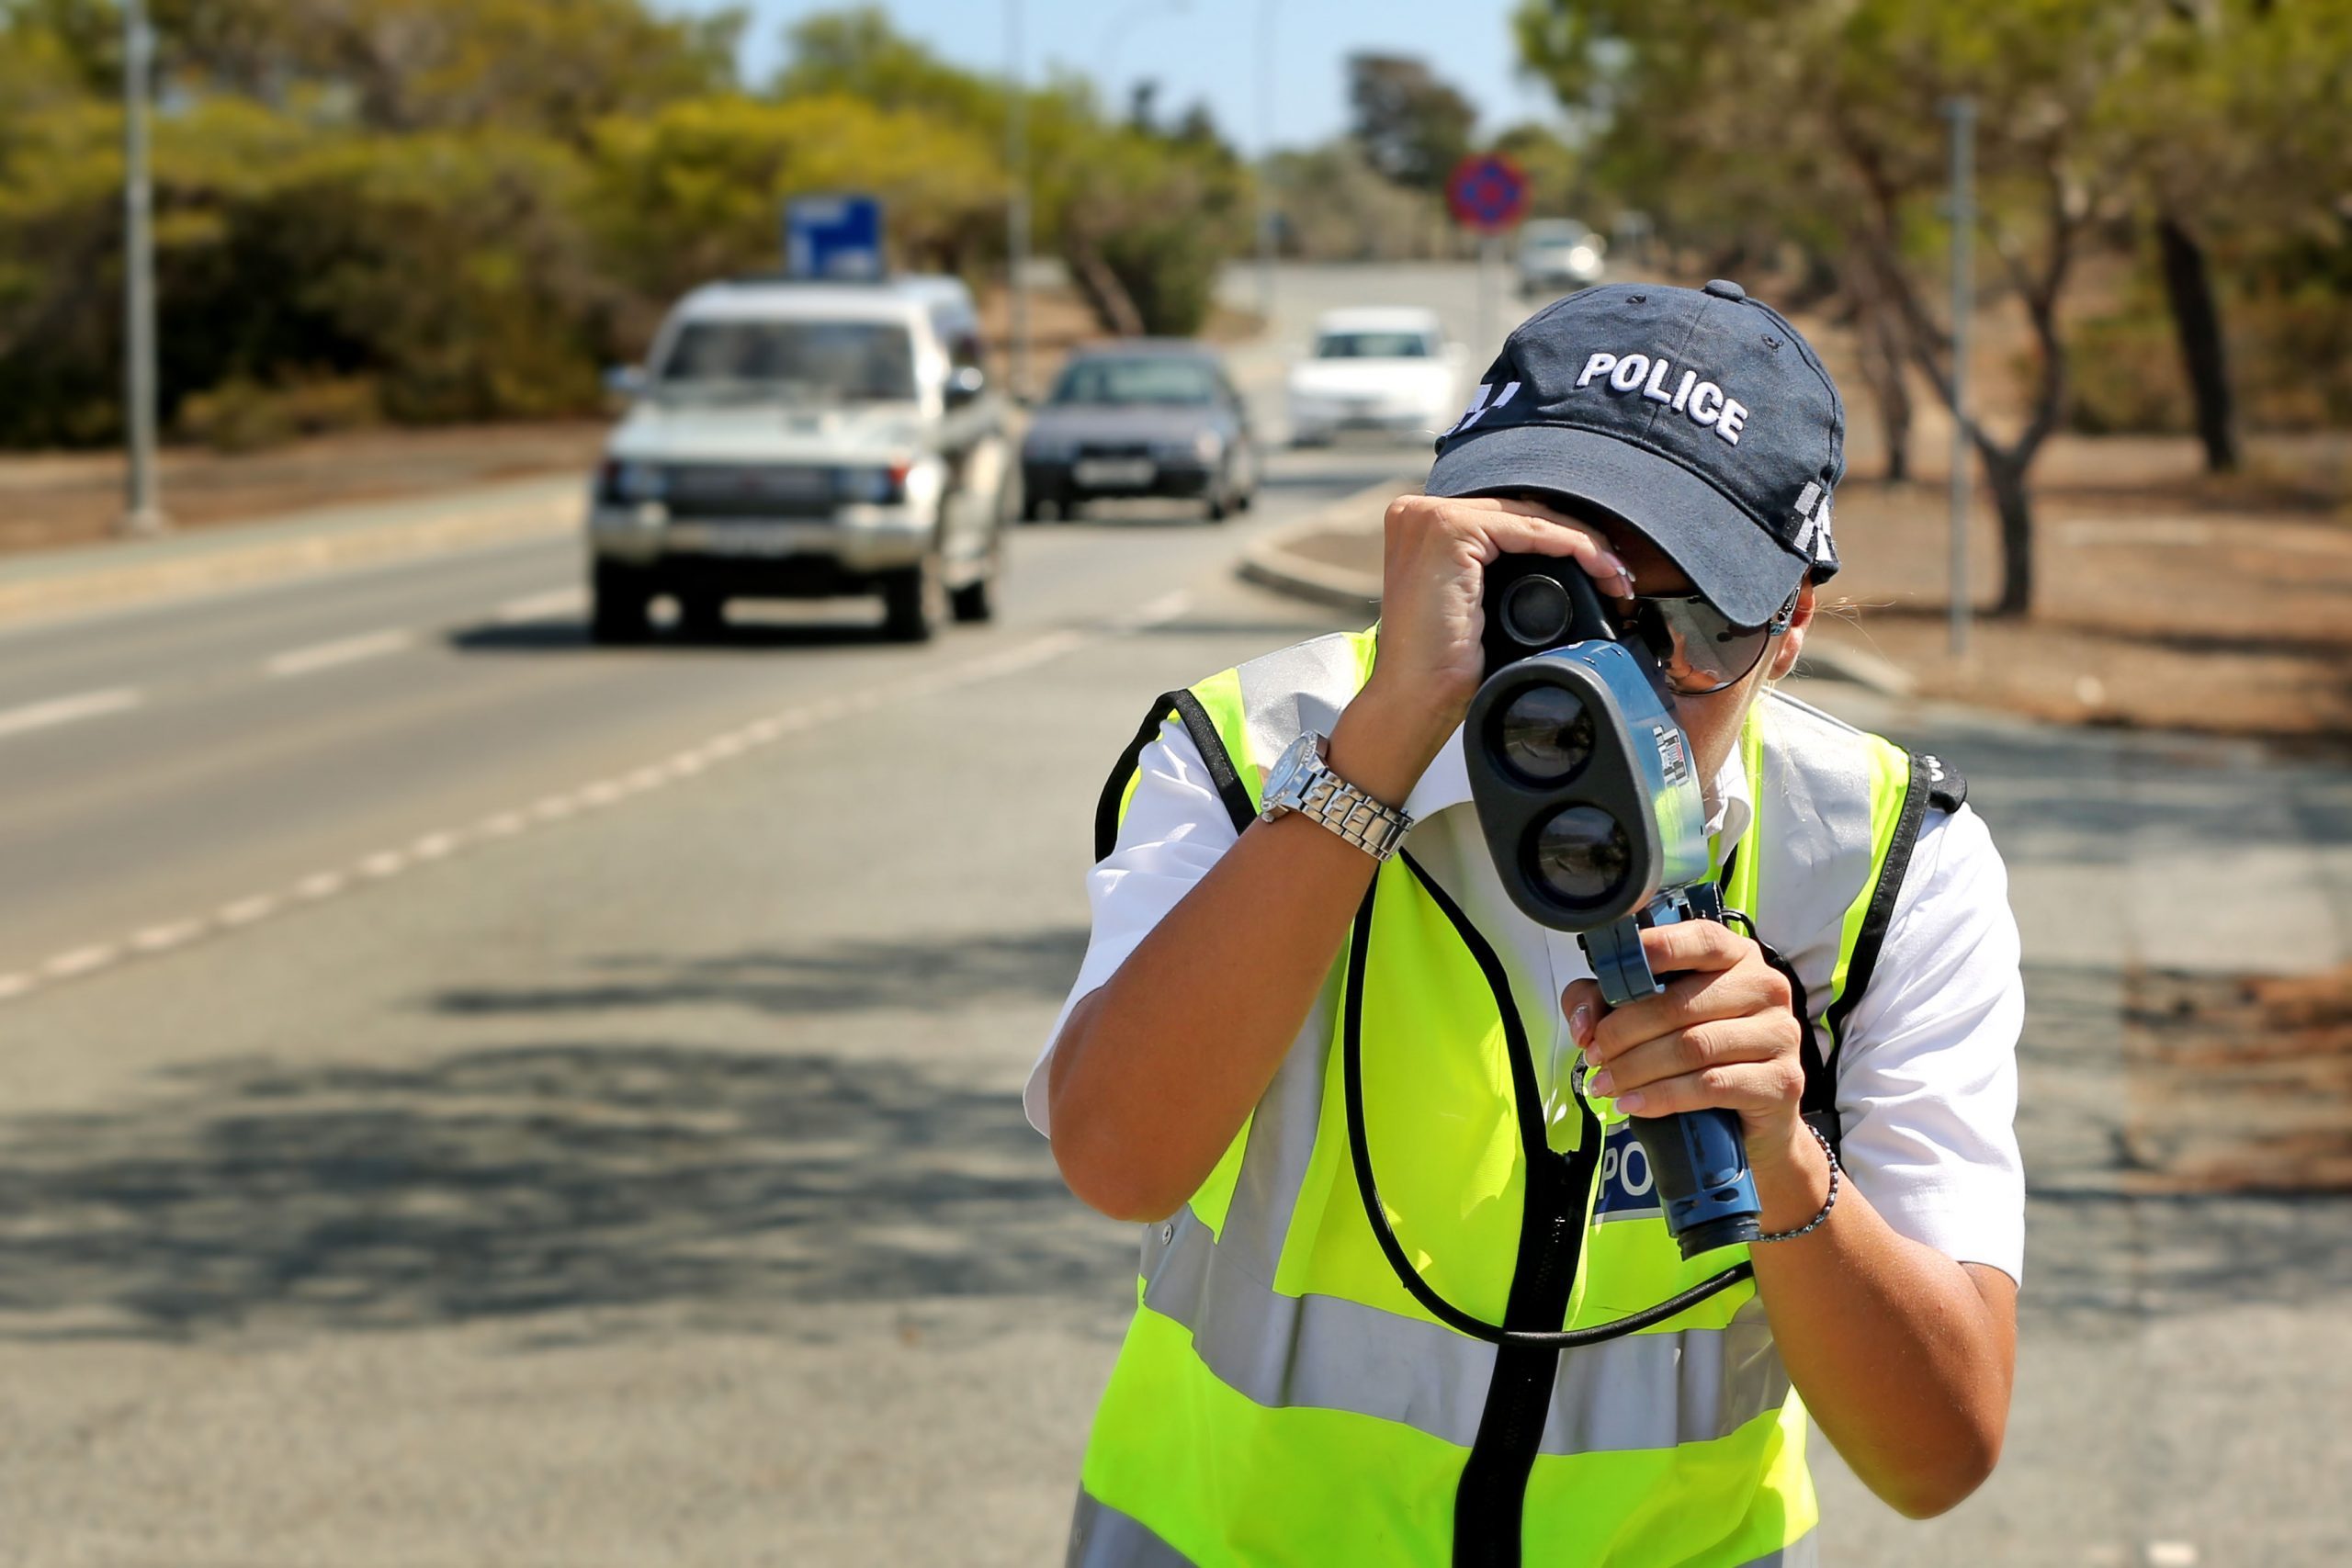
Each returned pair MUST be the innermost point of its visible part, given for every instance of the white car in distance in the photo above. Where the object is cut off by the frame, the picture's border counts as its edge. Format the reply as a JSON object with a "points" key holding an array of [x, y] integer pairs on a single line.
{"points": [[1390, 370]]}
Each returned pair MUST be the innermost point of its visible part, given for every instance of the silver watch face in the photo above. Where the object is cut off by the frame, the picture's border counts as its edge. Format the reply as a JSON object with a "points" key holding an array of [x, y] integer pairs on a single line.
{"points": [[1295, 760]]}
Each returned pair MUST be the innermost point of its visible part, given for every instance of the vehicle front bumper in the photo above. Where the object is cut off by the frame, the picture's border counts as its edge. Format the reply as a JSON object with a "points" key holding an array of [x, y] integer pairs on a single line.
{"points": [[854, 541], [1323, 416], [1048, 477]]}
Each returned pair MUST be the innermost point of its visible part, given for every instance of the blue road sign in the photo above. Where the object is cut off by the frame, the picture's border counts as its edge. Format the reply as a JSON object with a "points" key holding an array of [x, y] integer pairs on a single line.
{"points": [[1486, 192], [832, 236]]}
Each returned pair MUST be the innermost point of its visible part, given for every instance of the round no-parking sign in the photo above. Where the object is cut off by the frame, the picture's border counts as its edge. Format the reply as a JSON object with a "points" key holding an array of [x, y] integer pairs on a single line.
{"points": [[1486, 192]]}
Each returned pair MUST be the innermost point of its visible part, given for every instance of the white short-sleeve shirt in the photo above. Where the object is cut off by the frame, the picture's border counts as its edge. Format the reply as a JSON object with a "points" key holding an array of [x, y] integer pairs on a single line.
{"points": [[1927, 1071]]}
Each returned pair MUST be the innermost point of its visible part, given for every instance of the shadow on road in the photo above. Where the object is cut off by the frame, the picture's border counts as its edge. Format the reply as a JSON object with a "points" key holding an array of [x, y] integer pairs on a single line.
{"points": [[602, 1167], [497, 1184], [569, 637], [941, 976]]}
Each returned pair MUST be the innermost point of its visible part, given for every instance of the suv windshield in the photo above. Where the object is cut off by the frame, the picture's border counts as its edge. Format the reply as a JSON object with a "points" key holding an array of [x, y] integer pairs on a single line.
{"points": [[1157, 378], [1371, 345], [820, 361]]}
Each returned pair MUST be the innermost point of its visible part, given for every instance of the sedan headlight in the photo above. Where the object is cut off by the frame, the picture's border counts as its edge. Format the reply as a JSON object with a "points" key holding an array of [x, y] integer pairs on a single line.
{"points": [[1048, 450]]}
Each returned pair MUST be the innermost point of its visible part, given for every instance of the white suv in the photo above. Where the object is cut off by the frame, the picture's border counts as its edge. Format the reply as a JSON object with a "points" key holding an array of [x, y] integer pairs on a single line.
{"points": [[806, 440]]}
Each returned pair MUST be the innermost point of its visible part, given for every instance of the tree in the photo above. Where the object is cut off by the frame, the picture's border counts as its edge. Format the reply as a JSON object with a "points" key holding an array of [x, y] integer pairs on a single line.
{"points": [[1826, 109], [1412, 127]]}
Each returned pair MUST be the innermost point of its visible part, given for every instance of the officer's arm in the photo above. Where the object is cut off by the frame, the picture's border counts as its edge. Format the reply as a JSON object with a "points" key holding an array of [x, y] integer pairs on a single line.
{"points": [[1905, 1357], [1154, 1072]]}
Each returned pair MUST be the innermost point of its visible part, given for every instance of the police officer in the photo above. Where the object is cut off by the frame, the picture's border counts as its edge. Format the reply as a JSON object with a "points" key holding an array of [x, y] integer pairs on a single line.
{"points": [[1304, 966]]}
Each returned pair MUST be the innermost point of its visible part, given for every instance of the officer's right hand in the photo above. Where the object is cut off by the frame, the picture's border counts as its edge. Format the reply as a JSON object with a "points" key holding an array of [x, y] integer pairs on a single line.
{"points": [[1432, 583]]}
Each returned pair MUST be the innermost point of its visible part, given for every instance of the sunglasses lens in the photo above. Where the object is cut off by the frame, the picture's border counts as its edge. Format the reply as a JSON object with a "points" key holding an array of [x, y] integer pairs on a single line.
{"points": [[1698, 649]]}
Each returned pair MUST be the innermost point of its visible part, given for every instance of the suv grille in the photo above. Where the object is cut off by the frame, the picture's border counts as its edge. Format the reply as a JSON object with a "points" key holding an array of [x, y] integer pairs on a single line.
{"points": [[741, 490]]}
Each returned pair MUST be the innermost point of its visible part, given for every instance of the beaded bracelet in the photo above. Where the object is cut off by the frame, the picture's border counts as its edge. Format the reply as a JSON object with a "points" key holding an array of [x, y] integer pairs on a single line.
{"points": [[1827, 1204]]}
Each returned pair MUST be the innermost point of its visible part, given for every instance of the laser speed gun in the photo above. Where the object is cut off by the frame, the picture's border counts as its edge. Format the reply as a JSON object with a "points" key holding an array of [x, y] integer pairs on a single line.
{"points": [[1592, 806]]}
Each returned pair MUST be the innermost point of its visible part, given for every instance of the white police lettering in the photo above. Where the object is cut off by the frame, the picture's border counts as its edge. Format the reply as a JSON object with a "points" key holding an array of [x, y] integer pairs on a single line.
{"points": [[1629, 372], [1480, 407], [1704, 402]]}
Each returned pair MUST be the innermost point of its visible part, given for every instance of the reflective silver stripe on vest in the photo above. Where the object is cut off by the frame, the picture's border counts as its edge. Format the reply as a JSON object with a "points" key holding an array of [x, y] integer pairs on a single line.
{"points": [[1295, 689], [1646, 1391], [1102, 1536]]}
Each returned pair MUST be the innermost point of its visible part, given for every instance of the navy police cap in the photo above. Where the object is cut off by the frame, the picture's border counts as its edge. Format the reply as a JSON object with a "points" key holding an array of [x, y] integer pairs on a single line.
{"points": [[1698, 416]]}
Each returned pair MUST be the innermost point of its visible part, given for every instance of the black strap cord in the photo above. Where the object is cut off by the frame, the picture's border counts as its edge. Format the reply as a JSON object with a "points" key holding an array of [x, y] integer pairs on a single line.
{"points": [[1422, 1291]]}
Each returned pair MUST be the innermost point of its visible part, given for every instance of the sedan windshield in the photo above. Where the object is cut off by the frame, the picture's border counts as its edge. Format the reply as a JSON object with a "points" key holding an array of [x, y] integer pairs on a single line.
{"points": [[1373, 345], [1159, 378], [818, 361]]}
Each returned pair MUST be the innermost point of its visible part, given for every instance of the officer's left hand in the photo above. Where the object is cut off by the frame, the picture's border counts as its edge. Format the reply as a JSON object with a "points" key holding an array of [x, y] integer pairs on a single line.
{"points": [[1720, 1034]]}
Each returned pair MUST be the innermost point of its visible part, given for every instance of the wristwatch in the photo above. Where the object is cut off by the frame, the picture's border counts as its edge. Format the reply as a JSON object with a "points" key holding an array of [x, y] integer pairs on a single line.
{"points": [[1300, 782]]}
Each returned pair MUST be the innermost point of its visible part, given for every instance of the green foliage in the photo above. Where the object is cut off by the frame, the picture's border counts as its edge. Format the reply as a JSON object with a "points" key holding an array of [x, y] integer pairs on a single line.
{"points": [[1337, 206], [1161, 217], [440, 210], [695, 191], [1412, 127]]}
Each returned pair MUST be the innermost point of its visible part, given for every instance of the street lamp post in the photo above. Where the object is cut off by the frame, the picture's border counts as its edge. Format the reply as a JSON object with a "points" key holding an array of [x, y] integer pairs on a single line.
{"points": [[1016, 211], [141, 514], [1265, 160]]}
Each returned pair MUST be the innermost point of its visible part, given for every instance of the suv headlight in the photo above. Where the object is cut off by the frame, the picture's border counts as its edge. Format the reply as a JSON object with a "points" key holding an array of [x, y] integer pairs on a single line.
{"points": [[632, 483], [871, 484]]}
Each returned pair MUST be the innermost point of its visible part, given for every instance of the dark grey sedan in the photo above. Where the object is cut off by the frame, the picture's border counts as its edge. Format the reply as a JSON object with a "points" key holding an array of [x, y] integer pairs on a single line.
{"points": [[1143, 417]]}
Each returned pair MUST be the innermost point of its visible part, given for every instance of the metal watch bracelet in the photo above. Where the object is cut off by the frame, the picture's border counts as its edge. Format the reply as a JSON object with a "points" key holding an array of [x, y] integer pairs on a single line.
{"points": [[1302, 781]]}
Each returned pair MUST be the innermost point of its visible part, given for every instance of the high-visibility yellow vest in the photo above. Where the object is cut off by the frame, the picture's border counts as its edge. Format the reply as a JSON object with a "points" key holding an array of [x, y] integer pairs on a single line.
{"points": [[1280, 1397]]}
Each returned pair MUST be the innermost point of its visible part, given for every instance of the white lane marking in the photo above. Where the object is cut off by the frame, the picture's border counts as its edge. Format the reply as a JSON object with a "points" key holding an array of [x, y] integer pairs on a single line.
{"points": [[555, 807], [344, 650], [546, 607], [246, 911], [80, 961], [66, 710], [169, 935]]}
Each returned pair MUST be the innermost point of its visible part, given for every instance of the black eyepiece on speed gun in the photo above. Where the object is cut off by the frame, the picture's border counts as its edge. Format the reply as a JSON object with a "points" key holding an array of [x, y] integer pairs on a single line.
{"points": [[1590, 804]]}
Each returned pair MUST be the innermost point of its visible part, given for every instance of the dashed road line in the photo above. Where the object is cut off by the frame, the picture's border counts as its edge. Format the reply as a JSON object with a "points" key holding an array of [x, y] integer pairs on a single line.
{"points": [[66, 710], [240, 913], [167, 936], [80, 961], [548, 606], [343, 651]]}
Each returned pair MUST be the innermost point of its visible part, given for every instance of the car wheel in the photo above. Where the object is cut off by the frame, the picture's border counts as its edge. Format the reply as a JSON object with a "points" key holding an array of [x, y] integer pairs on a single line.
{"points": [[914, 600], [618, 601], [702, 616]]}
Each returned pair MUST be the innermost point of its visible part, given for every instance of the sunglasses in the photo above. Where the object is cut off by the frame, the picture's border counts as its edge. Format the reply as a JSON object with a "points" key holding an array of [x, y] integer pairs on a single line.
{"points": [[1699, 649]]}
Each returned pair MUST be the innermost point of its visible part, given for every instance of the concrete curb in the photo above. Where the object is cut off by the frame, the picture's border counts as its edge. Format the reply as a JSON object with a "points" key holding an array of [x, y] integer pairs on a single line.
{"points": [[1270, 563], [41, 590]]}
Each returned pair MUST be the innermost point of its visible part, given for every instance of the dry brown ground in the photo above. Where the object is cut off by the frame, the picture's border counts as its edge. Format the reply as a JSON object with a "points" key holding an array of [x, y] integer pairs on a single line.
{"points": [[2239, 1085], [49, 500], [2167, 598]]}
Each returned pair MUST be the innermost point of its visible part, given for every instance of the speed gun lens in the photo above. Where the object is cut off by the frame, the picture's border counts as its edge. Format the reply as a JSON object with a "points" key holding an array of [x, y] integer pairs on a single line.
{"points": [[1546, 735], [1581, 856]]}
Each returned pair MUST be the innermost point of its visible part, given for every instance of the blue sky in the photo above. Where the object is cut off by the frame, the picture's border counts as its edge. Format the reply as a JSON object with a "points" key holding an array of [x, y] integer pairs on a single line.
{"points": [[1206, 49]]}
